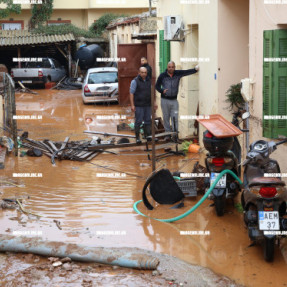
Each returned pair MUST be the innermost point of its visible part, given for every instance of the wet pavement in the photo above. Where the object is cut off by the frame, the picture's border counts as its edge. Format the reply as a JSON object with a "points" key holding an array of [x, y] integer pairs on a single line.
{"points": [[96, 210]]}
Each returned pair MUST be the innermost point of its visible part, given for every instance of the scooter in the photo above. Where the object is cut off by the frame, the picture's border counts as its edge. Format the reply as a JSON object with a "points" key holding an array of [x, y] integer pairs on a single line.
{"points": [[224, 153], [264, 198]]}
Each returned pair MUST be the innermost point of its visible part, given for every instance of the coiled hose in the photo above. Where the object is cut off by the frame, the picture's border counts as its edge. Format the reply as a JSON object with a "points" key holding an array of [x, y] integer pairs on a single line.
{"points": [[196, 205]]}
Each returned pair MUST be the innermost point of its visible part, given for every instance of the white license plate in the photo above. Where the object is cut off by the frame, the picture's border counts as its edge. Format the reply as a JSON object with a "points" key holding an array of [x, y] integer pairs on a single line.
{"points": [[221, 183], [268, 220], [26, 82]]}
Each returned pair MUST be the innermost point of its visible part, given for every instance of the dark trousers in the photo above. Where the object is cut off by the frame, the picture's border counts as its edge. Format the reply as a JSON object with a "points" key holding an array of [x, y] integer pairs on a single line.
{"points": [[142, 114]]}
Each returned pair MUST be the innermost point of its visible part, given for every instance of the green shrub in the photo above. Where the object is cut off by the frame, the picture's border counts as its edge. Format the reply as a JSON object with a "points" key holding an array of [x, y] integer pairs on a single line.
{"points": [[234, 97], [100, 25], [64, 29], [11, 8]]}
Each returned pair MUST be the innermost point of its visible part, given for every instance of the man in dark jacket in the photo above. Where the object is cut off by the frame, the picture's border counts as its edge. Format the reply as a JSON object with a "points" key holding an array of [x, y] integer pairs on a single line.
{"points": [[167, 84], [145, 64], [140, 97]]}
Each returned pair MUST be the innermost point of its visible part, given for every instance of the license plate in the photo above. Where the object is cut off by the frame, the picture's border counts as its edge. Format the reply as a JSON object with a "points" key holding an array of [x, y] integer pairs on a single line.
{"points": [[26, 82], [221, 183], [268, 220]]}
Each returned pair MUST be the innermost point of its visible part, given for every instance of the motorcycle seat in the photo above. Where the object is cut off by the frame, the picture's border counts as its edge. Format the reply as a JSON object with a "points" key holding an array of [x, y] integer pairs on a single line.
{"points": [[266, 181]]}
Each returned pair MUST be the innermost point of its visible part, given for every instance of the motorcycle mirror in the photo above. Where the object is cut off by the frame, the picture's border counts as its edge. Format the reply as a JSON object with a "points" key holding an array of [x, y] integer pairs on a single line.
{"points": [[246, 115]]}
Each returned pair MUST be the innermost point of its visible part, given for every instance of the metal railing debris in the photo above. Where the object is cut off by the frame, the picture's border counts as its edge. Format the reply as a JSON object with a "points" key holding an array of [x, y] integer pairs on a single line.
{"points": [[10, 124]]}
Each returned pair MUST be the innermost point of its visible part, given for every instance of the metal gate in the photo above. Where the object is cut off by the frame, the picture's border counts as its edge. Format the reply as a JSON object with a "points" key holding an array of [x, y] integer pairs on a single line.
{"points": [[129, 69]]}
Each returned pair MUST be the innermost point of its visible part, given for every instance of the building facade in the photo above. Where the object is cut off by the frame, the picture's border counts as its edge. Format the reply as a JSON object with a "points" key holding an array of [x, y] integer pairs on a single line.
{"points": [[79, 13]]}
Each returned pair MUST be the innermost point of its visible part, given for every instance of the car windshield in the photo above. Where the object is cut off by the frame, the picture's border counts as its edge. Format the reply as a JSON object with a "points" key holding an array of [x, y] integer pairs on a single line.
{"points": [[45, 63], [103, 77]]}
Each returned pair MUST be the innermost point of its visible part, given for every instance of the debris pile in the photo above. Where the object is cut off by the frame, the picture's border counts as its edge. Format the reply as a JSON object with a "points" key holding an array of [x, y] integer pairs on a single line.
{"points": [[68, 84], [23, 89], [74, 150]]}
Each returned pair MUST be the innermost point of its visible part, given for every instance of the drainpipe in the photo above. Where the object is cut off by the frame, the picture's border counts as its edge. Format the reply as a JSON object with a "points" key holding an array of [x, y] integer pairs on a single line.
{"points": [[111, 256]]}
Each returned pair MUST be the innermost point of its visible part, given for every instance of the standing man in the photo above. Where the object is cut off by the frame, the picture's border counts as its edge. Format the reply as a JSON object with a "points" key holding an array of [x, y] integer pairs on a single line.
{"points": [[167, 84], [140, 97], [145, 64]]}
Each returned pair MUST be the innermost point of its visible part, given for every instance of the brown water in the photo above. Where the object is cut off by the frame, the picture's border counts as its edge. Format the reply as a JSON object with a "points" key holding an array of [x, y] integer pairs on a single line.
{"points": [[87, 205]]}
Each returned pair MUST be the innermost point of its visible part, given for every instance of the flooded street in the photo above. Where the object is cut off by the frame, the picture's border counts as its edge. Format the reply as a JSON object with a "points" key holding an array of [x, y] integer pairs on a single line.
{"points": [[98, 210]]}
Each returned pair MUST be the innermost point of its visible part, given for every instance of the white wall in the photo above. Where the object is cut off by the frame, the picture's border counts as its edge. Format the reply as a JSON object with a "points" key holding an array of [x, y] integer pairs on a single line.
{"points": [[263, 17]]}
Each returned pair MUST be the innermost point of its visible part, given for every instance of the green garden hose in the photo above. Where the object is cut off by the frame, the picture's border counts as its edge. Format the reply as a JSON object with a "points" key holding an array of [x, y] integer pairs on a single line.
{"points": [[196, 205]]}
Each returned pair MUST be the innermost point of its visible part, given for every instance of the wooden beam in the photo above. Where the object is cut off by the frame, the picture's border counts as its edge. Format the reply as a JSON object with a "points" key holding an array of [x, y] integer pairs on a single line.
{"points": [[110, 134], [19, 56], [70, 60], [62, 52]]}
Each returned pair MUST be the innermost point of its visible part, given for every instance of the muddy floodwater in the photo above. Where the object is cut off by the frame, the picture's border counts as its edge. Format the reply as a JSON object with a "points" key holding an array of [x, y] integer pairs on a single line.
{"points": [[95, 209]]}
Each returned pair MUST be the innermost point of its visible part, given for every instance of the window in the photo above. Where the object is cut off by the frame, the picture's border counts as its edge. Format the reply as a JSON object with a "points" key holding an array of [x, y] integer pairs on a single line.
{"points": [[58, 22], [274, 83], [164, 52], [57, 64], [103, 77], [11, 25], [44, 64]]}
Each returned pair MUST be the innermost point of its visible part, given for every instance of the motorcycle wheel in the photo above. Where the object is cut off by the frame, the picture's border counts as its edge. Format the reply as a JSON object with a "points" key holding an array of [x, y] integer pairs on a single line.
{"points": [[219, 202], [268, 248]]}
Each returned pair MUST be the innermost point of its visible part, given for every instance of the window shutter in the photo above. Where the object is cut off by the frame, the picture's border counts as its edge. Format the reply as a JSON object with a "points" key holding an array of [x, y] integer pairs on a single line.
{"points": [[267, 83], [280, 76], [275, 83], [164, 51], [161, 33]]}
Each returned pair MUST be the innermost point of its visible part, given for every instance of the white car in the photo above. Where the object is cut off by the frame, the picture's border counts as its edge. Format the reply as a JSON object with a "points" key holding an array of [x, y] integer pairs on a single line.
{"points": [[100, 85]]}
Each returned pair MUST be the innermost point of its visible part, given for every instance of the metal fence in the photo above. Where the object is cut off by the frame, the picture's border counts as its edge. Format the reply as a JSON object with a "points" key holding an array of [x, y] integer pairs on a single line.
{"points": [[10, 124]]}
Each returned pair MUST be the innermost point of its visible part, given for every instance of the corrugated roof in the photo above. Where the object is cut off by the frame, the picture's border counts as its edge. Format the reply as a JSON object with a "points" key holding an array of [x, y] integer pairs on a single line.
{"points": [[24, 37]]}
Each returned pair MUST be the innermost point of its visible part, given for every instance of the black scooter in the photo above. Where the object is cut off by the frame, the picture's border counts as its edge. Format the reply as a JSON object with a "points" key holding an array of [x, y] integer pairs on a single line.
{"points": [[223, 153], [264, 198]]}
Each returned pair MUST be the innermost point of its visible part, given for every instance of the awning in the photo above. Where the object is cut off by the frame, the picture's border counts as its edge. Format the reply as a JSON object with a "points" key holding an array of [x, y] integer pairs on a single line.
{"points": [[24, 37]]}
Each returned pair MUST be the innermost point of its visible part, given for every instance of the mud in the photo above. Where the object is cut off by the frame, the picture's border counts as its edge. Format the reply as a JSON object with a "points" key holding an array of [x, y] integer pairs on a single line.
{"points": [[31, 270], [97, 211]]}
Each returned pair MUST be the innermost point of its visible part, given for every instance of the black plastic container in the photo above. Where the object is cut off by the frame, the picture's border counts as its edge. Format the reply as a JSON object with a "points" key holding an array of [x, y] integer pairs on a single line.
{"points": [[216, 145], [88, 55]]}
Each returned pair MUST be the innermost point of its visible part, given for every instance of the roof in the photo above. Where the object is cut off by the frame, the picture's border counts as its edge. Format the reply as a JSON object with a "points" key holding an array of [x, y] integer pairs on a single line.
{"points": [[147, 35], [129, 20], [24, 37], [123, 21]]}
